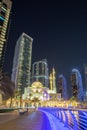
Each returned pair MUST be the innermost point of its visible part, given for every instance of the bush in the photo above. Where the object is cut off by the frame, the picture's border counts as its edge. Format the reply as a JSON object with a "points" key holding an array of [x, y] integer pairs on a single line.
{"points": [[6, 110]]}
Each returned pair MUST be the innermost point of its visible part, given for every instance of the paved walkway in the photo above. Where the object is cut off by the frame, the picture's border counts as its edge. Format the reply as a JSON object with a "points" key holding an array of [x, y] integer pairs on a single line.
{"points": [[5, 117], [30, 121], [33, 120]]}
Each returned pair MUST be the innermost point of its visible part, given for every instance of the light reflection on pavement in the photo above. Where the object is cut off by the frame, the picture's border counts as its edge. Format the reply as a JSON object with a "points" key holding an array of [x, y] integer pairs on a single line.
{"points": [[29, 121]]}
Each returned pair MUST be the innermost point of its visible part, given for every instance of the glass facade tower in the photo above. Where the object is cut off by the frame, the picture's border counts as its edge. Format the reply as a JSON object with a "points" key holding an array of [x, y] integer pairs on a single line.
{"points": [[5, 9], [40, 72], [22, 62], [85, 71], [77, 86], [62, 86]]}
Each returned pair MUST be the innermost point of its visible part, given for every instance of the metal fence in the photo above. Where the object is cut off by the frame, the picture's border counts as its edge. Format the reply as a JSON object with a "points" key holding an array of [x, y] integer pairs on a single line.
{"points": [[74, 119]]}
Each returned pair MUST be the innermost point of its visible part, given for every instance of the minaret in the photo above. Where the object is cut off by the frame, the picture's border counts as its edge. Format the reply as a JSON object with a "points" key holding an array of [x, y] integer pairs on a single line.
{"points": [[54, 80], [51, 82]]}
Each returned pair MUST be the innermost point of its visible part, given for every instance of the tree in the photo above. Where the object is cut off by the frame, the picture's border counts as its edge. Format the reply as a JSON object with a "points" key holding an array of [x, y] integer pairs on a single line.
{"points": [[17, 94], [73, 98], [35, 101], [6, 86]]}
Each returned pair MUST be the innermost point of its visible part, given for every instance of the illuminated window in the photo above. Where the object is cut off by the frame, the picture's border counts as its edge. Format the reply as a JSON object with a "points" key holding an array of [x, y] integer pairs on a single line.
{"points": [[2, 13], [1, 18], [4, 5]]}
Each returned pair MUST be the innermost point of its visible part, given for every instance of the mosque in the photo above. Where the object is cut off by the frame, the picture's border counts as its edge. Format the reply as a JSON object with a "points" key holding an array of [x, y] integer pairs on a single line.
{"points": [[40, 94]]}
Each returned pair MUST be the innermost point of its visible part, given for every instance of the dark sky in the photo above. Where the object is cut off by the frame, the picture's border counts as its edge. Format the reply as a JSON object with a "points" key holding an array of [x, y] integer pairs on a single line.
{"points": [[59, 30]]}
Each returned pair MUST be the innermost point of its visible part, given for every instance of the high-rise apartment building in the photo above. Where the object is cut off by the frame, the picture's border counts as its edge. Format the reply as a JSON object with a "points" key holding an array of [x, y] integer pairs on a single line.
{"points": [[5, 9], [62, 86], [22, 62], [76, 82], [40, 72], [85, 72]]}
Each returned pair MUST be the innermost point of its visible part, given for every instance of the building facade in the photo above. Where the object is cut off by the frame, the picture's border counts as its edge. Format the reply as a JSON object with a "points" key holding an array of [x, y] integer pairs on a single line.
{"points": [[22, 62], [85, 72], [77, 87], [40, 72], [5, 9], [62, 87]]}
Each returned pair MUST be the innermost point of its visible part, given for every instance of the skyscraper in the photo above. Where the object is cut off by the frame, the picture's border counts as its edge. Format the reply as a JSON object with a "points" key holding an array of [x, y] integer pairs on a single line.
{"points": [[22, 62], [62, 86], [40, 72], [85, 71], [5, 9], [76, 82]]}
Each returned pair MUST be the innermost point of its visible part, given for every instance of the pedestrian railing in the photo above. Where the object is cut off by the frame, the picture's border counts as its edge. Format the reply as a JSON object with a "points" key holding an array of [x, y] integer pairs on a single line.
{"points": [[74, 119]]}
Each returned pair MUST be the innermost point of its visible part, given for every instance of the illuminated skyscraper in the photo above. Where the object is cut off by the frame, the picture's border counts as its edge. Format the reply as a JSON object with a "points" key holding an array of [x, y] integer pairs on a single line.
{"points": [[40, 72], [62, 86], [22, 62], [76, 82], [85, 71], [5, 9]]}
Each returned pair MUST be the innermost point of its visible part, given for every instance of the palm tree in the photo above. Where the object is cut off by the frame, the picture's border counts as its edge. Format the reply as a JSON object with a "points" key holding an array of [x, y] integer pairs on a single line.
{"points": [[73, 98], [6, 86], [35, 100], [16, 93]]}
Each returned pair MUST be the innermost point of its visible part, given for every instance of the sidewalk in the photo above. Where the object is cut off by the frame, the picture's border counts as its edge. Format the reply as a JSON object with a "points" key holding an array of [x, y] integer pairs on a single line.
{"points": [[35, 120], [5, 117]]}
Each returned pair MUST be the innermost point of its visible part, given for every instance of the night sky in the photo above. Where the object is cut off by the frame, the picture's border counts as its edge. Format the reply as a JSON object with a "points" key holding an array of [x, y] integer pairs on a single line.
{"points": [[59, 30]]}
